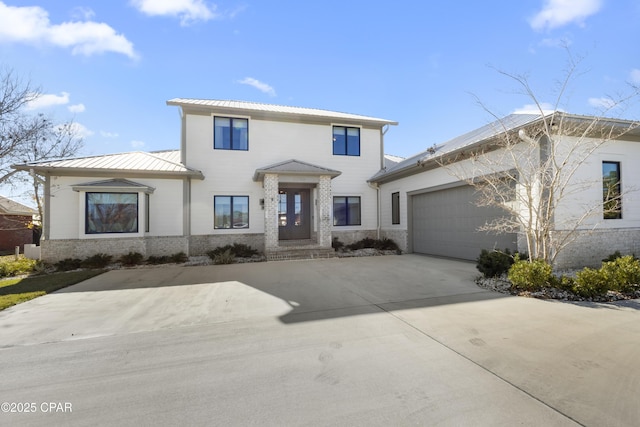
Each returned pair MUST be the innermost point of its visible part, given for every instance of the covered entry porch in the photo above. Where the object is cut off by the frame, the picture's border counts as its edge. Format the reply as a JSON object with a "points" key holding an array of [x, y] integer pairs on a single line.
{"points": [[297, 209]]}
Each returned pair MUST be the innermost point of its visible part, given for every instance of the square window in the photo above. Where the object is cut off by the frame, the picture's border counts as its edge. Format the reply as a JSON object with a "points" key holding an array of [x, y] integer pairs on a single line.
{"points": [[346, 141], [346, 211], [231, 212], [111, 213], [230, 133]]}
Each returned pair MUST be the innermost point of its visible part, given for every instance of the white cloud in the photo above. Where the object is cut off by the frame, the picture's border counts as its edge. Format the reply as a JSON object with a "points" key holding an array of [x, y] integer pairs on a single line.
{"points": [[189, 11], [546, 108], [31, 25], [137, 144], [106, 134], [602, 103], [48, 100], [83, 13], [634, 75], [558, 13], [76, 108], [262, 87], [80, 130]]}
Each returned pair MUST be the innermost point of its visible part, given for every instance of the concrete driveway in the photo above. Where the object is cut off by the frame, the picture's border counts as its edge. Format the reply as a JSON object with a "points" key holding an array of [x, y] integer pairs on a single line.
{"points": [[395, 340]]}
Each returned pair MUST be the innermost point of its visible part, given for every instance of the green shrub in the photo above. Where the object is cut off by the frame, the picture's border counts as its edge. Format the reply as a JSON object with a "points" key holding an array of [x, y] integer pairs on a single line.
{"points": [[132, 258], [179, 257], [162, 259], [237, 250], [226, 257], [494, 263], [97, 261], [68, 264], [336, 244], [531, 276], [622, 273], [16, 267], [613, 256], [590, 283], [386, 244], [365, 243]]}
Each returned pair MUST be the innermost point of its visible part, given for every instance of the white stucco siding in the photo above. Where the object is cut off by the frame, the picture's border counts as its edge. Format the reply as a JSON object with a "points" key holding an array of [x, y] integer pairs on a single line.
{"points": [[67, 209], [585, 193], [230, 172]]}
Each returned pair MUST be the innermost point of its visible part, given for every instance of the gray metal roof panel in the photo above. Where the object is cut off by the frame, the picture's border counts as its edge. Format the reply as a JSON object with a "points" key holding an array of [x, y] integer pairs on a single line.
{"points": [[279, 109]]}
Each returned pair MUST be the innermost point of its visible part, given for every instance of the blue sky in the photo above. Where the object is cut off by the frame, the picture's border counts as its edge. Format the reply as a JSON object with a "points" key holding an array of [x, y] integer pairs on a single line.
{"points": [[111, 65]]}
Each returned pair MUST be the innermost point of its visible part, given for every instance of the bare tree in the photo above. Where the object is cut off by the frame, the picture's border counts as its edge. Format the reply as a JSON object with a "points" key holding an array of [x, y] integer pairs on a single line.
{"points": [[26, 137], [529, 172]]}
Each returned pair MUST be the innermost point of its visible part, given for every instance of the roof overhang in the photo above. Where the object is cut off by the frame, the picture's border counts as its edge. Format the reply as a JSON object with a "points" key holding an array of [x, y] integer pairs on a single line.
{"points": [[104, 172]]}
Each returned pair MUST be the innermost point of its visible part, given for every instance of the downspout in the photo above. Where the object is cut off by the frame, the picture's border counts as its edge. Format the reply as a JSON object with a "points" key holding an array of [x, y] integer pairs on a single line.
{"points": [[383, 131]]}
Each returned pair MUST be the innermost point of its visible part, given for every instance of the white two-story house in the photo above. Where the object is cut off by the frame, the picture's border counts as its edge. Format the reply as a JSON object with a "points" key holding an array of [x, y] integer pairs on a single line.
{"points": [[272, 177]]}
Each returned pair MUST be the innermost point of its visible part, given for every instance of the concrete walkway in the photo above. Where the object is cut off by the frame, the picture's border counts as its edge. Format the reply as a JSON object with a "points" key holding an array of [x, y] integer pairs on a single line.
{"points": [[395, 340]]}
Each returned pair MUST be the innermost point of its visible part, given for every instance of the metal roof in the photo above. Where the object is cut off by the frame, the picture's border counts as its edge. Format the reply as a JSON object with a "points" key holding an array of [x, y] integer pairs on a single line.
{"points": [[475, 137], [294, 167], [271, 109], [11, 207], [160, 162]]}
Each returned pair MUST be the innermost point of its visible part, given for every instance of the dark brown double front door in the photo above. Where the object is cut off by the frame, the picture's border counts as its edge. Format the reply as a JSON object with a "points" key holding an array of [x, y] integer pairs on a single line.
{"points": [[294, 213]]}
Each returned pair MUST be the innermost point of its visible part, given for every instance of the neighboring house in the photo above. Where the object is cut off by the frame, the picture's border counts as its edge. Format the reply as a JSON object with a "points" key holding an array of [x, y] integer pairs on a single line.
{"points": [[273, 177], [428, 207], [16, 220]]}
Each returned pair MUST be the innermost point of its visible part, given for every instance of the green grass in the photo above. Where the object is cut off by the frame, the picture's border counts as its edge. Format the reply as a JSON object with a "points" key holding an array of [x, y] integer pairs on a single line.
{"points": [[15, 291]]}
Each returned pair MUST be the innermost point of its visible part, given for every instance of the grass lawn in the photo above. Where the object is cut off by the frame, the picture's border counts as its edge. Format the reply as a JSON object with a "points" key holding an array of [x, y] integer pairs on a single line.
{"points": [[17, 290]]}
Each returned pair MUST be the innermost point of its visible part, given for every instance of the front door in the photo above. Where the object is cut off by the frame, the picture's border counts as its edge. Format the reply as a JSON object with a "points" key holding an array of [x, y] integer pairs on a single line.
{"points": [[294, 213]]}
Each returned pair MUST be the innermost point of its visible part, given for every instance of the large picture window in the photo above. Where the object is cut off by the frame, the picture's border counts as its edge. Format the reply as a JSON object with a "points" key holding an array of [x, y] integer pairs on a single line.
{"points": [[346, 210], [346, 141], [231, 211], [611, 190], [230, 133], [111, 213]]}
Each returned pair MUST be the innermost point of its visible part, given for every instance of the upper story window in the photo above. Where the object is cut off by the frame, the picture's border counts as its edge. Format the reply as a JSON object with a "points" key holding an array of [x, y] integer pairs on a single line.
{"points": [[611, 190], [346, 141], [230, 133]]}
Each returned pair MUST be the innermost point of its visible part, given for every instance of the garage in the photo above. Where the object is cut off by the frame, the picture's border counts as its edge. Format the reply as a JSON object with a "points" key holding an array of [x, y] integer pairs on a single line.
{"points": [[446, 222]]}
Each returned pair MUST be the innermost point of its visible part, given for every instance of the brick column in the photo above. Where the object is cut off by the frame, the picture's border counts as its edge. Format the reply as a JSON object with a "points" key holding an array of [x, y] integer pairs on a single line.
{"points": [[270, 185], [324, 214]]}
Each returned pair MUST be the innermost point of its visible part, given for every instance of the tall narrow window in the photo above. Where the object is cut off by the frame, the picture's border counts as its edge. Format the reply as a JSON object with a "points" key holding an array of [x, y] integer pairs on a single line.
{"points": [[230, 133], [346, 211], [346, 141], [146, 212], [611, 190], [231, 211], [395, 208]]}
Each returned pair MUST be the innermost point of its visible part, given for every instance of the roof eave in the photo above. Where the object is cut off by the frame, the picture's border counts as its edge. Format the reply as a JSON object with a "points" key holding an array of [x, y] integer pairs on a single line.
{"points": [[63, 171]]}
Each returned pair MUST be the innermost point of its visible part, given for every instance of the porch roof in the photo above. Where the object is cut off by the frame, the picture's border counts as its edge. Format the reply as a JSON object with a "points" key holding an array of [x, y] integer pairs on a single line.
{"points": [[294, 167]]}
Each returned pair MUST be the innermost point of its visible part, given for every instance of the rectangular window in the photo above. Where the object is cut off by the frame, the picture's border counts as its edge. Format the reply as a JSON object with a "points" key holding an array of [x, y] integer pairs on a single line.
{"points": [[231, 211], [146, 212], [346, 210], [611, 190], [346, 141], [395, 208], [230, 133], [111, 213]]}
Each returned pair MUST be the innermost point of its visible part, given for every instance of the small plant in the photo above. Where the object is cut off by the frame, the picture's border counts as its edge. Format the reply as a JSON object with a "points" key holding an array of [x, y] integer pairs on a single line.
{"points": [[612, 257], [386, 244], [16, 267], [365, 243], [132, 258], [494, 263], [336, 244], [531, 276], [590, 283], [68, 264], [155, 260], [97, 261], [179, 257], [226, 257], [240, 250]]}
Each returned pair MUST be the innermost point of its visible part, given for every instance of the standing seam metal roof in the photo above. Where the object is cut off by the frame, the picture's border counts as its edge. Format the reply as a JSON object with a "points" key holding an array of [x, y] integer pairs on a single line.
{"points": [[271, 108]]}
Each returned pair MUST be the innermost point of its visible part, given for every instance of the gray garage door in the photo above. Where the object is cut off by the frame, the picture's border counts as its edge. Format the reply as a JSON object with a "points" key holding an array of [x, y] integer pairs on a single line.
{"points": [[446, 223]]}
